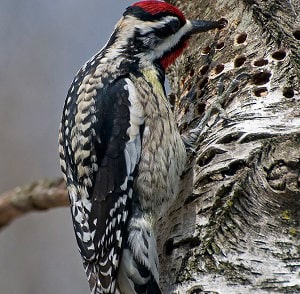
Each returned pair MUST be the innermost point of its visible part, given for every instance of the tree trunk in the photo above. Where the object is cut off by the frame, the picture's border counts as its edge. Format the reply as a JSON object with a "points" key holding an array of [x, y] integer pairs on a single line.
{"points": [[235, 226]]}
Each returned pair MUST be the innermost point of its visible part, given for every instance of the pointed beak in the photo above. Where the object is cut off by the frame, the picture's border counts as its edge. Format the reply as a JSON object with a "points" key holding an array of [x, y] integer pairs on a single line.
{"points": [[199, 26]]}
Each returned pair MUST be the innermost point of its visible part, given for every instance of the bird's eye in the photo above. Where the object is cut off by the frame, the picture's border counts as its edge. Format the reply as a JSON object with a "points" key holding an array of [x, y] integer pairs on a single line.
{"points": [[174, 25], [168, 29]]}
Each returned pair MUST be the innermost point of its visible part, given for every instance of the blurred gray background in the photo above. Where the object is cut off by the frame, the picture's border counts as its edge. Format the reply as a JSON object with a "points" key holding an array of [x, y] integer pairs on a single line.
{"points": [[42, 45]]}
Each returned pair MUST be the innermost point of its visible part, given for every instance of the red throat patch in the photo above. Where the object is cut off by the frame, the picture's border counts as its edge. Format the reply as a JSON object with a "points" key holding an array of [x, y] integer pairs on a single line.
{"points": [[155, 7], [170, 57]]}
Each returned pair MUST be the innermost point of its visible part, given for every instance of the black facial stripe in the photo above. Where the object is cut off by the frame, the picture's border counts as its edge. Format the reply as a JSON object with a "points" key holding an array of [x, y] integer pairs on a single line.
{"points": [[168, 29], [141, 14]]}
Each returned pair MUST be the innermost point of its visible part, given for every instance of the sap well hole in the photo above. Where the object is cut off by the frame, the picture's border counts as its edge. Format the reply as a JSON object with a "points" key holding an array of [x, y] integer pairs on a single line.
{"points": [[260, 92], [220, 46], [239, 61], [241, 38], [205, 50], [260, 62], [261, 78], [279, 55], [204, 69], [296, 34], [219, 68], [288, 92]]}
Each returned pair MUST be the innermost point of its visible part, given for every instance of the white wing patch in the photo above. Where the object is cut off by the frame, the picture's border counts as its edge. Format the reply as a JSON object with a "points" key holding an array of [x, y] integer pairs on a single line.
{"points": [[132, 151], [137, 115]]}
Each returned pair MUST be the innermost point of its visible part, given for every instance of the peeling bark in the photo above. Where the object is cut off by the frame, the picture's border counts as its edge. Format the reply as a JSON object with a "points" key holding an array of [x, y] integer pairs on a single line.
{"points": [[235, 227]]}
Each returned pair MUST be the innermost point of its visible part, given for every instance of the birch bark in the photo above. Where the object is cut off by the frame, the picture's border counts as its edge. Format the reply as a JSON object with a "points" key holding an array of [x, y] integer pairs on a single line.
{"points": [[235, 227]]}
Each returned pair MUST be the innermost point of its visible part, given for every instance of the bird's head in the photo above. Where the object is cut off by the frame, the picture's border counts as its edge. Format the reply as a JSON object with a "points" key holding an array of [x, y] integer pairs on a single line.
{"points": [[155, 31]]}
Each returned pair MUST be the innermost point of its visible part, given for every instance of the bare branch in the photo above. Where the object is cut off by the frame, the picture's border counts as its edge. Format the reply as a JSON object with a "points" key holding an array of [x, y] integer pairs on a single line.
{"points": [[40, 195]]}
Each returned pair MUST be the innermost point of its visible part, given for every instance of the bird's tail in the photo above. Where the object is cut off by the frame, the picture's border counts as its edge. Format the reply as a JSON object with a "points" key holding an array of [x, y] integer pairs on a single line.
{"points": [[138, 271], [107, 285]]}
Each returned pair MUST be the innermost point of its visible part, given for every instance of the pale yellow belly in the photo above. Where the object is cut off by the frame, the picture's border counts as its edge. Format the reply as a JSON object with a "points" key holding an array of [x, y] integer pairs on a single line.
{"points": [[161, 165]]}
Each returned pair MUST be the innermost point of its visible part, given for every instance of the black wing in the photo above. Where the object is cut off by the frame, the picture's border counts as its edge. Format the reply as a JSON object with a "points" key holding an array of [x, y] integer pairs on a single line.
{"points": [[98, 160]]}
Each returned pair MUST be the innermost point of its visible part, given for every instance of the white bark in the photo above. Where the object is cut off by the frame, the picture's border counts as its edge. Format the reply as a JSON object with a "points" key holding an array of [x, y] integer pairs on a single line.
{"points": [[235, 227]]}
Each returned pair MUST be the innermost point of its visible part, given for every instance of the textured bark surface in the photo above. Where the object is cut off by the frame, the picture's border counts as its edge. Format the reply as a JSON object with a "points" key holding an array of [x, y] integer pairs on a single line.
{"points": [[37, 196], [236, 225]]}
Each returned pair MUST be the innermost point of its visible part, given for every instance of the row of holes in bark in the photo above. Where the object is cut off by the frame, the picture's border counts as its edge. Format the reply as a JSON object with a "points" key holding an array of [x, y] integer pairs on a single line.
{"points": [[241, 59], [258, 79], [241, 39], [277, 55]]}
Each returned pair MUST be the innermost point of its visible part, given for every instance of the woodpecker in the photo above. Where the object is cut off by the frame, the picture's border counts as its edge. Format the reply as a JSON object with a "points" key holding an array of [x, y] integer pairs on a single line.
{"points": [[121, 153]]}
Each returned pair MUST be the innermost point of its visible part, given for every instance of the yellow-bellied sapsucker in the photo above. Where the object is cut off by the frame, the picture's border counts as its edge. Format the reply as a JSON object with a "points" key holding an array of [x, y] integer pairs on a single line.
{"points": [[120, 150]]}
